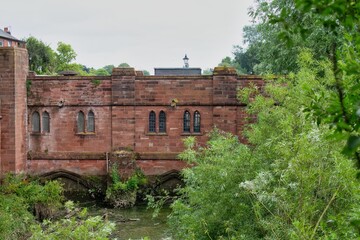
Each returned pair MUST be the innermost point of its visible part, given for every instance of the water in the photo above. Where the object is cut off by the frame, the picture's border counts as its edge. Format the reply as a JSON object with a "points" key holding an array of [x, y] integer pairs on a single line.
{"points": [[141, 223]]}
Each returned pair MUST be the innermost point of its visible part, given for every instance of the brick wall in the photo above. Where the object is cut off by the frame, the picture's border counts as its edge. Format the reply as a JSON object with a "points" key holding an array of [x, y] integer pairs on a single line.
{"points": [[121, 104]]}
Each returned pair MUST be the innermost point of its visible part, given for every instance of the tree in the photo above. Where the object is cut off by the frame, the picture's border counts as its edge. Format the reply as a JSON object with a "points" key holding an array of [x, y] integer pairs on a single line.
{"points": [[228, 62], [207, 71], [340, 20], [123, 65], [109, 68], [290, 182], [41, 56], [273, 42], [64, 56]]}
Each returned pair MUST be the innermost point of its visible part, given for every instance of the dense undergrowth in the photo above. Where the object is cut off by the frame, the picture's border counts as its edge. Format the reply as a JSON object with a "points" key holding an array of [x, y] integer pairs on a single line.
{"points": [[30, 210], [291, 181]]}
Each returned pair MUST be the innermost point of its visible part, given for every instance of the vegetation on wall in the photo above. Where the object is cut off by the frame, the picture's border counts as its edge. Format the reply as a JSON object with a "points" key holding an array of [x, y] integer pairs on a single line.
{"points": [[121, 193]]}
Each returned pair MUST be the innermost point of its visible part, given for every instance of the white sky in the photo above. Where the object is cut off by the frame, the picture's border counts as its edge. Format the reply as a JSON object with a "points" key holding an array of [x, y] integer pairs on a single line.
{"points": [[143, 33]]}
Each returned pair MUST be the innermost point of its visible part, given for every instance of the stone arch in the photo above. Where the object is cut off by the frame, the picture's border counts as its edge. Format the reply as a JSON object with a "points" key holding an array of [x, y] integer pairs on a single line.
{"points": [[76, 187], [169, 181]]}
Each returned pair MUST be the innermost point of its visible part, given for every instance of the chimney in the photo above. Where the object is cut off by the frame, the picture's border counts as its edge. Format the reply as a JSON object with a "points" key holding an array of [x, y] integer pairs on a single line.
{"points": [[6, 29]]}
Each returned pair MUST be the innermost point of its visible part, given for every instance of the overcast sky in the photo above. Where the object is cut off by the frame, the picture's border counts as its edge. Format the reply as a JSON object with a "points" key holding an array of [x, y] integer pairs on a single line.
{"points": [[143, 33]]}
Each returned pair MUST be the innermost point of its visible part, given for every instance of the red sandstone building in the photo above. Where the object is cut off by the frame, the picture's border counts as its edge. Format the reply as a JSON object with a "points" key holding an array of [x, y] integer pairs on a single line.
{"points": [[75, 123]]}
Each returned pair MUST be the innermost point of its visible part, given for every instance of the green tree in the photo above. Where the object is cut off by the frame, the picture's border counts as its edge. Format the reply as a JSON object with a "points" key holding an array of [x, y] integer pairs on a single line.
{"points": [[207, 71], [109, 68], [101, 72], [64, 56], [41, 56], [274, 42], [124, 65], [228, 62], [290, 182], [146, 73], [340, 21]]}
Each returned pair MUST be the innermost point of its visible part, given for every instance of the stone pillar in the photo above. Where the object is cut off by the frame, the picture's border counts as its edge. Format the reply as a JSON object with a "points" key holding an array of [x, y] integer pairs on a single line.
{"points": [[13, 74], [225, 85], [123, 108]]}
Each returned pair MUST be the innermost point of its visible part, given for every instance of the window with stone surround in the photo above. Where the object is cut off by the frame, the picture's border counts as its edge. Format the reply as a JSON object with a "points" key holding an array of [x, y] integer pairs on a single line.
{"points": [[80, 122], [162, 122], [186, 122], [45, 122], [35, 122], [152, 121], [196, 122], [91, 122]]}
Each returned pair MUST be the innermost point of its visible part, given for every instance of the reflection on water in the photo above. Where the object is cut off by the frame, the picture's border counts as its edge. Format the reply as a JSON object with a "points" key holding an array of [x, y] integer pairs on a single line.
{"points": [[135, 223]]}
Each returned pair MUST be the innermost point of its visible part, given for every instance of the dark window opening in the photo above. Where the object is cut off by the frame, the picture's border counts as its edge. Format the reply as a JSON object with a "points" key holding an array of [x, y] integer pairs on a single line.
{"points": [[186, 121], [91, 122], [81, 122], [35, 121], [152, 122], [196, 122], [46, 122], [162, 122]]}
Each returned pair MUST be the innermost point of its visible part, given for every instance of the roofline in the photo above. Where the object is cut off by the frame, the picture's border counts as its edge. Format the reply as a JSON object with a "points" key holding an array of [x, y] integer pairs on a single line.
{"points": [[12, 39]]}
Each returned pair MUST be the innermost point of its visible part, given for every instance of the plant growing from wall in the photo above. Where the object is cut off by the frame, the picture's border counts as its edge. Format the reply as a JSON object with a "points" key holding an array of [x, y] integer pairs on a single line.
{"points": [[28, 87], [96, 82], [122, 193]]}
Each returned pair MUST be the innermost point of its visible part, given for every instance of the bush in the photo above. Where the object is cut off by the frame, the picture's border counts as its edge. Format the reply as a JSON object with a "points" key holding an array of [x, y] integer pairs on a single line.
{"points": [[123, 193], [290, 182], [76, 227], [43, 200], [15, 219]]}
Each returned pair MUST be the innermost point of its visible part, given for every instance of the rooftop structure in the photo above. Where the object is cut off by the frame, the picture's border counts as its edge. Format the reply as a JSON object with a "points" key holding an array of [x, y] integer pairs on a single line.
{"points": [[7, 40], [184, 71]]}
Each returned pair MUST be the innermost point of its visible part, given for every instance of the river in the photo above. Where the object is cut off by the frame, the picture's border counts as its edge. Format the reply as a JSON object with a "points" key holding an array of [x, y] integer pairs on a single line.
{"points": [[135, 223]]}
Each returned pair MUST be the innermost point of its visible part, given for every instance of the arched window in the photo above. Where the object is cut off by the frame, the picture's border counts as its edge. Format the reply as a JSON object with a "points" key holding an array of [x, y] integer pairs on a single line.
{"points": [[186, 121], [196, 122], [91, 122], [152, 122], [81, 122], [46, 122], [162, 122], [35, 122]]}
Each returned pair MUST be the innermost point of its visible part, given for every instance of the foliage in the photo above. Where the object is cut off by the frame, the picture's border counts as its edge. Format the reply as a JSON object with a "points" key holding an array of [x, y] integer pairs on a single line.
{"points": [[15, 219], [79, 227], [146, 73], [96, 82], [340, 21], [122, 193], [131, 184], [64, 56], [274, 41], [290, 182], [41, 56], [32, 191], [19, 198], [213, 205], [124, 65], [207, 71], [228, 62], [101, 72], [109, 68]]}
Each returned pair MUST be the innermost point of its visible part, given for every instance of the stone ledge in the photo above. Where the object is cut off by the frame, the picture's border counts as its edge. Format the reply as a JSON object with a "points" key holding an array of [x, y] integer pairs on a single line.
{"points": [[66, 156]]}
